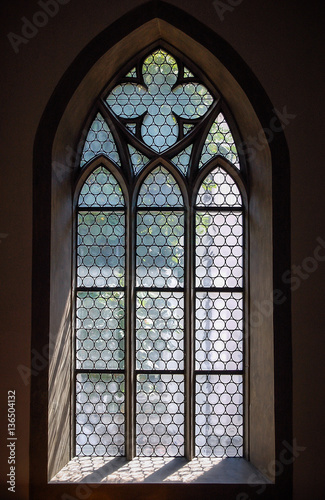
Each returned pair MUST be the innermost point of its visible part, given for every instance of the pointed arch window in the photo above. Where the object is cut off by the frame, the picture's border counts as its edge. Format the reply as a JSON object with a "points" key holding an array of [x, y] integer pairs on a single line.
{"points": [[160, 278]]}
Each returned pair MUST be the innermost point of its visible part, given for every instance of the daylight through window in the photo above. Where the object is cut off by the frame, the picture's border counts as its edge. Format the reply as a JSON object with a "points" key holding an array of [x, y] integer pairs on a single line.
{"points": [[160, 268]]}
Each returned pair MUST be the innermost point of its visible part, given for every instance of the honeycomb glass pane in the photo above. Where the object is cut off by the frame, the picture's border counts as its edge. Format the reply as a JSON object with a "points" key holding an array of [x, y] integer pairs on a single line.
{"points": [[193, 100], [160, 249], [160, 189], [219, 141], [101, 189], [138, 160], [219, 252], [100, 414], [99, 141], [101, 249], [219, 416], [160, 331], [219, 331], [182, 160], [100, 330], [129, 100], [160, 415], [159, 101], [218, 189]]}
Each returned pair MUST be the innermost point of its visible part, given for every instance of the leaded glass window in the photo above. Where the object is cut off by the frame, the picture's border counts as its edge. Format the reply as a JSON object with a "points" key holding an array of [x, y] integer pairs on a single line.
{"points": [[160, 268]]}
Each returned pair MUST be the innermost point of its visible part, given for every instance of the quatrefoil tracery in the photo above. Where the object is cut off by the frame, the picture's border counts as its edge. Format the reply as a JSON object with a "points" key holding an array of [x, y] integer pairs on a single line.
{"points": [[160, 108], [160, 100]]}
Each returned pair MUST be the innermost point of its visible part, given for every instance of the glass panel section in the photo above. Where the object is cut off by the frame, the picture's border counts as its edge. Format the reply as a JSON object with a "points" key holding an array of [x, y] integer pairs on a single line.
{"points": [[159, 100], [218, 331], [187, 127], [160, 415], [160, 189], [99, 140], [160, 331], [219, 141], [100, 330], [138, 159], [219, 416], [100, 414], [132, 73], [160, 249], [182, 160], [154, 111], [187, 73], [219, 251], [218, 190], [193, 100], [129, 100], [101, 249], [101, 189], [159, 131], [131, 127]]}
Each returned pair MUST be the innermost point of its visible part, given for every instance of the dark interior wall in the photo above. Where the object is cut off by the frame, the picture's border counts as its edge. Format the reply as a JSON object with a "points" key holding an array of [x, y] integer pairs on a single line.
{"points": [[282, 42]]}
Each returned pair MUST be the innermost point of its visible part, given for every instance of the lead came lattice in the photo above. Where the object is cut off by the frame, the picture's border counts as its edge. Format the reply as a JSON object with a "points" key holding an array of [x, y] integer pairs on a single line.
{"points": [[219, 415], [164, 105], [158, 101], [100, 330], [138, 159], [101, 249], [182, 160], [100, 414], [160, 249], [220, 141], [159, 331], [219, 249], [160, 415], [218, 189], [101, 189], [160, 189], [99, 141], [218, 334]]}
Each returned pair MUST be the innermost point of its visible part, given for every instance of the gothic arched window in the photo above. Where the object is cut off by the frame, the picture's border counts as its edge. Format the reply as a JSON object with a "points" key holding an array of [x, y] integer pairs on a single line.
{"points": [[160, 278]]}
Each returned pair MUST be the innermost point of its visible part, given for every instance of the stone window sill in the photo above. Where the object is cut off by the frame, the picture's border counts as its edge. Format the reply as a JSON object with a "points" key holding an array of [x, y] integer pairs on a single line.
{"points": [[159, 470]]}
